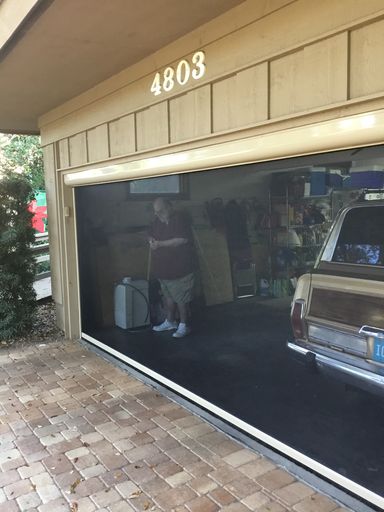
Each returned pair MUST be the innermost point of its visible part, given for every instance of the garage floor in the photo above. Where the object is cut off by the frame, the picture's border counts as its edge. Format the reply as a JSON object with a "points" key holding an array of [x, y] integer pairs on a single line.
{"points": [[236, 358]]}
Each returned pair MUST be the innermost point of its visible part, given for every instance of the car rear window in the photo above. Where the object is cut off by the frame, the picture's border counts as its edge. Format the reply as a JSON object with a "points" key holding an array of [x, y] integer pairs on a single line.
{"points": [[361, 238]]}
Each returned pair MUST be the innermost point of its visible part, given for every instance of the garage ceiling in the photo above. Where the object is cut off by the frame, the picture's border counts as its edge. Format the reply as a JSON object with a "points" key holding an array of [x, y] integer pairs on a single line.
{"points": [[67, 46]]}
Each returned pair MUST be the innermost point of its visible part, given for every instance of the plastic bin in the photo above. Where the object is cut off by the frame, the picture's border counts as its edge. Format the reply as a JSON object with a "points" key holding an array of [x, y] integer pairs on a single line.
{"points": [[318, 183], [367, 179]]}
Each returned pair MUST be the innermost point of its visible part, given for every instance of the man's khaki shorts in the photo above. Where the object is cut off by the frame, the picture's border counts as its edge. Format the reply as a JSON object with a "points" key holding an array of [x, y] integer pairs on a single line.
{"points": [[179, 290]]}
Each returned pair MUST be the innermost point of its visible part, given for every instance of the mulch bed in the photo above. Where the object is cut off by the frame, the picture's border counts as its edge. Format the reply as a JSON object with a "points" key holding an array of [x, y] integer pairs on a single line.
{"points": [[44, 328]]}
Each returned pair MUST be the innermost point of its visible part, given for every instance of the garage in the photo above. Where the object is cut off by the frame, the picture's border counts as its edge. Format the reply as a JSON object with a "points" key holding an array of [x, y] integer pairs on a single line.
{"points": [[256, 228]]}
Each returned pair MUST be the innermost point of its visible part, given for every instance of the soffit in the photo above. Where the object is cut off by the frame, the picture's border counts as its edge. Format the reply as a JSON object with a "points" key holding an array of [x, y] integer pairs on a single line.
{"points": [[69, 46]]}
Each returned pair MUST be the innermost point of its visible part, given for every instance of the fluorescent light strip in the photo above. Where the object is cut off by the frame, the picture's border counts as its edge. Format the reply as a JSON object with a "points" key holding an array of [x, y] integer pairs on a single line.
{"points": [[328, 473]]}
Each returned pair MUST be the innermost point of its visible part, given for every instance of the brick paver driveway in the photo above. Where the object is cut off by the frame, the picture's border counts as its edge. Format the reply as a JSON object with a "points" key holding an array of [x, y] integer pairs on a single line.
{"points": [[79, 434]]}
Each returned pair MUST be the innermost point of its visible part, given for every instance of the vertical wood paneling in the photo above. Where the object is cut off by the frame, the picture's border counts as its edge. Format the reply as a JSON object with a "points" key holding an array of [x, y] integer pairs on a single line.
{"points": [[63, 152], [152, 126], [78, 149], [323, 73], [241, 99], [242, 38], [367, 72], [122, 135], [98, 148], [283, 84], [312, 77], [190, 114]]}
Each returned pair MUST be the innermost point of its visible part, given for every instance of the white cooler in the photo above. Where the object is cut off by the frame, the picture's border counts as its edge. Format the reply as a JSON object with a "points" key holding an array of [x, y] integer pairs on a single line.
{"points": [[131, 303]]}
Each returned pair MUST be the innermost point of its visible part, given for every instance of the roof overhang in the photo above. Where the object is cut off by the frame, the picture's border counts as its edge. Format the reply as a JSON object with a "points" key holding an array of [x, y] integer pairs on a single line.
{"points": [[54, 50]]}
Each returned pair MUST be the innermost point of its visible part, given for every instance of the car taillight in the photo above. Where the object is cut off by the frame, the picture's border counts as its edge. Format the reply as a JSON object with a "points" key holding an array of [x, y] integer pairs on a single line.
{"points": [[297, 318]]}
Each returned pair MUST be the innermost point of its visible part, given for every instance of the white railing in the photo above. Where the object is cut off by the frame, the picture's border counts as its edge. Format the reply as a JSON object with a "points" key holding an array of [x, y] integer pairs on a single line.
{"points": [[41, 252]]}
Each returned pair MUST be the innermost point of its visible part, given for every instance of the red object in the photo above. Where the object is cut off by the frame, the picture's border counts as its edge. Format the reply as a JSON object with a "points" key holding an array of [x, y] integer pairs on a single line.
{"points": [[39, 215]]}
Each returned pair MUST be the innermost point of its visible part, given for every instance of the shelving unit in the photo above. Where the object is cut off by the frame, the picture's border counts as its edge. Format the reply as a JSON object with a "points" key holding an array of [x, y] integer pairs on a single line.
{"points": [[303, 222], [292, 226], [297, 227]]}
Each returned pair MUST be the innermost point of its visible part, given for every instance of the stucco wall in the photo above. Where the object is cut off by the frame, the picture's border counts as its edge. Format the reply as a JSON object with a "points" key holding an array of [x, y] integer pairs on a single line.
{"points": [[270, 66]]}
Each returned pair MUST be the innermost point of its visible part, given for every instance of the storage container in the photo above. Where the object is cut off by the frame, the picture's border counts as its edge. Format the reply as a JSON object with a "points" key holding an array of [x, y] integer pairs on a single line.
{"points": [[367, 179], [318, 183], [131, 304]]}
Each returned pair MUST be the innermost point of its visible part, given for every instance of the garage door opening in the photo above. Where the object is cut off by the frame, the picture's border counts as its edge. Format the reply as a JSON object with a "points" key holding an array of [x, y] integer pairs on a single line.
{"points": [[253, 229]]}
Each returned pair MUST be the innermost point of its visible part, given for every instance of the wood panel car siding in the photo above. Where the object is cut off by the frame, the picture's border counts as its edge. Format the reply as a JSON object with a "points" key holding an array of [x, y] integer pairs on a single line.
{"points": [[353, 309]]}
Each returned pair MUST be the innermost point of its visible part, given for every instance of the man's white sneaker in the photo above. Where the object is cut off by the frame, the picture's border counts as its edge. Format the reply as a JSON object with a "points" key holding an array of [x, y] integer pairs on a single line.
{"points": [[165, 326], [182, 330]]}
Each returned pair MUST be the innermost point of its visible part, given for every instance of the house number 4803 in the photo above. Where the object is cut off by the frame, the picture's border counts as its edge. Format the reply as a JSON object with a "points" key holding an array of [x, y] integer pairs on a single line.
{"points": [[165, 81]]}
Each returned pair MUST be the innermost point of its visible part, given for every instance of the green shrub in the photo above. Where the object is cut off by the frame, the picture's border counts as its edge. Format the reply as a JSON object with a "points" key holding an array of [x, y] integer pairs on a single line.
{"points": [[17, 263]]}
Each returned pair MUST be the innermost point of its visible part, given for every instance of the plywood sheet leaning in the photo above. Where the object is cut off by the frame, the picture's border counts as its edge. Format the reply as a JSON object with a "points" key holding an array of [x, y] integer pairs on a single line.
{"points": [[215, 267]]}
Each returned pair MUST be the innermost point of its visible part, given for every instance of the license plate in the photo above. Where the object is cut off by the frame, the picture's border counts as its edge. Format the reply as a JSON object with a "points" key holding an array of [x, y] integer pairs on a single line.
{"points": [[378, 351]]}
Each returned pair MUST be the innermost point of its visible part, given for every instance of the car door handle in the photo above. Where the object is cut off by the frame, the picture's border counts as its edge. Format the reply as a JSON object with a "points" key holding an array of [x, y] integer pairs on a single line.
{"points": [[368, 330]]}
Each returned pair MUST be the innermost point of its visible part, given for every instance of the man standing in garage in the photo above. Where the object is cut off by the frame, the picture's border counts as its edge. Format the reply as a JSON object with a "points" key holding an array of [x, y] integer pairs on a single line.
{"points": [[173, 264]]}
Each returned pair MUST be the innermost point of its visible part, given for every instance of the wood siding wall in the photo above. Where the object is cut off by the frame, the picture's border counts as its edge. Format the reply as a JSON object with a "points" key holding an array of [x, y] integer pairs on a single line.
{"points": [[331, 70]]}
